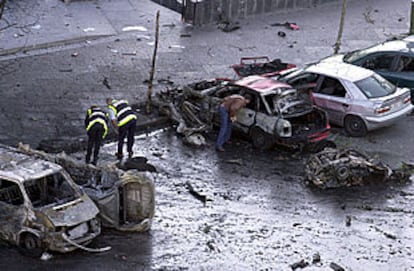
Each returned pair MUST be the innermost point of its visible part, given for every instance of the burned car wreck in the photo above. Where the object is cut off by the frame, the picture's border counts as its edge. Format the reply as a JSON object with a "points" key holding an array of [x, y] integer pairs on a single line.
{"points": [[332, 168], [41, 208], [126, 199], [277, 114]]}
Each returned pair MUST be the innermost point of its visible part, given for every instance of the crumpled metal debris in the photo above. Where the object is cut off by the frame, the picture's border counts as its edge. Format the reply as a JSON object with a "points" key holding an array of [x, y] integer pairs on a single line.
{"points": [[191, 109], [333, 168]]}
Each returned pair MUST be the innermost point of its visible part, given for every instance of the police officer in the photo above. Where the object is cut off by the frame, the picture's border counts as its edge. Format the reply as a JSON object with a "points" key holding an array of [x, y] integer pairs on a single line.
{"points": [[97, 128], [124, 121]]}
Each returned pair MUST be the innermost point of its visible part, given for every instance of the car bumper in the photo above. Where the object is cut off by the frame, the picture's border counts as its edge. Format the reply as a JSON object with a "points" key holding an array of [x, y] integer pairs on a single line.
{"points": [[376, 122]]}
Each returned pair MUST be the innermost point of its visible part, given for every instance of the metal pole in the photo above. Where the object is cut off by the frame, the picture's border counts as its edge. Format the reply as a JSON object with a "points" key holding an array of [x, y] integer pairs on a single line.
{"points": [[412, 18], [341, 27]]}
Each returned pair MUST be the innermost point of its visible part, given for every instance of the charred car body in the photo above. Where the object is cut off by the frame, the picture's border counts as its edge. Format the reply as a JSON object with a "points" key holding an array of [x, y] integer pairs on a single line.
{"points": [[126, 199], [41, 208], [277, 113]]}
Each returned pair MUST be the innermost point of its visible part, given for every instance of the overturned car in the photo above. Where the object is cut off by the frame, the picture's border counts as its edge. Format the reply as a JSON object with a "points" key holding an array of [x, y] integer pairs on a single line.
{"points": [[277, 114], [41, 208]]}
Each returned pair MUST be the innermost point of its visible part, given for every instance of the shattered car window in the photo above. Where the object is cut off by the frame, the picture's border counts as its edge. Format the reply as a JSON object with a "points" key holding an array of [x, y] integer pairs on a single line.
{"points": [[10, 193], [50, 189]]}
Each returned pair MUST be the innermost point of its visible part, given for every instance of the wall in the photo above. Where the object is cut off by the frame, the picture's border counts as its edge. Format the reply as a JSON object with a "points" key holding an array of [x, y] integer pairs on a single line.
{"points": [[206, 11]]}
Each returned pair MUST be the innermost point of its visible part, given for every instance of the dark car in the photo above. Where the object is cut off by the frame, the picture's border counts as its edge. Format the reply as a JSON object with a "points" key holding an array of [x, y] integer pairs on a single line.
{"points": [[394, 60]]}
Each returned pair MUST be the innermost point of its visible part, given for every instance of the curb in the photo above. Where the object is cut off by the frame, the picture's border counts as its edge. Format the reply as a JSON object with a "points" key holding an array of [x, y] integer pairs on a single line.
{"points": [[24, 49]]}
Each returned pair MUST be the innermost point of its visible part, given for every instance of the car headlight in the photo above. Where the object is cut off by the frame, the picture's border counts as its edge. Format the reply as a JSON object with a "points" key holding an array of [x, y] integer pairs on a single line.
{"points": [[283, 128]]}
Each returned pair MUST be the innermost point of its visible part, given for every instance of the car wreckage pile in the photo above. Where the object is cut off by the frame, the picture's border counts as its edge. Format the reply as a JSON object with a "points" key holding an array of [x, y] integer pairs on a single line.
{"points": [[54, 202], [331, 168]]}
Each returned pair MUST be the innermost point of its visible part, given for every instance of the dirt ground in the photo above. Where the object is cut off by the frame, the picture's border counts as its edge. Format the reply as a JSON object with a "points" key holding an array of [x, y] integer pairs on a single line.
{"points": [[255, 213]]}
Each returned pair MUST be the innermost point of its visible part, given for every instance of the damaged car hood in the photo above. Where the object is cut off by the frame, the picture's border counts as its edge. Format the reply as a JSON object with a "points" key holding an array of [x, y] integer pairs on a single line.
{"points": [[71, 213]]}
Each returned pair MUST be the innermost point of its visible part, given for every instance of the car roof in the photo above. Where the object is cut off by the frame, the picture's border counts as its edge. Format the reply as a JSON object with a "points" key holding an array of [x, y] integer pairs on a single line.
{"points": [[261, 84], [409, 38], [340, 70], [20, 167], [405, 45]]}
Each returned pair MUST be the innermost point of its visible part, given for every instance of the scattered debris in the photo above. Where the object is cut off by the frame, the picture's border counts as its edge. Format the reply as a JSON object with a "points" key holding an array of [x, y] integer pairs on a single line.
{"points": [[89, 29], [291, 26], [165, 81], [367, 16], [105, 82], [260, 65], [336, 267], [134, 53], [316, 258], [348, 221], [134, 28], [235, 161], [66, 70], [185, 35], [281, 34], [46, 256], [172, 25], [300, 264], [197, 193], [74, 54], [386, 234], [227, 26]]}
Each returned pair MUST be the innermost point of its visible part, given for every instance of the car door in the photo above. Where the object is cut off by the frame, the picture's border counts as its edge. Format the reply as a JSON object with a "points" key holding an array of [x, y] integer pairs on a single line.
{"points": [[331, 95], [381, 63], [402, 73], [12, 209], [245, 117]]}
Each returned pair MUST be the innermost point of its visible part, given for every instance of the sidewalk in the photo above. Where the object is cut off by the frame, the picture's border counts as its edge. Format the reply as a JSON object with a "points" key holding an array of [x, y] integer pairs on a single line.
{"points": [[39, 24]]}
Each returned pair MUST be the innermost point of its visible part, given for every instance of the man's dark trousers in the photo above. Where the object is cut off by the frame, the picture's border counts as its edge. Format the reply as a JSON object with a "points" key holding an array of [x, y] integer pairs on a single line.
{"points": [[94, 141], [127, 130]]}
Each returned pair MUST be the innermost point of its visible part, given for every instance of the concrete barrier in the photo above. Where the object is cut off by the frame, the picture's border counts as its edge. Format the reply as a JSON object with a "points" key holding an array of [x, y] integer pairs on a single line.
{"points": [[200, 12]]}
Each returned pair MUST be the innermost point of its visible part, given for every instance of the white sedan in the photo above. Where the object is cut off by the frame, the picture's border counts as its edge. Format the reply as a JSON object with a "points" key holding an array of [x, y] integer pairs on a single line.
{"points": [[355, 98]]}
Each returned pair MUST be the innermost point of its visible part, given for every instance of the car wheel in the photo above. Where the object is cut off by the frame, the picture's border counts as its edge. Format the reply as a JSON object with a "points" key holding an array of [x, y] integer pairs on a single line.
{"points": [[261, 140], [30, 245], [355, 126]]}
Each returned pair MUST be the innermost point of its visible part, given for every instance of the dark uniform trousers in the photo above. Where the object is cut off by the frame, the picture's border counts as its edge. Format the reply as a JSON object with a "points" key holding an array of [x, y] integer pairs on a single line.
{"points": [[127, 130], [94, 142]]}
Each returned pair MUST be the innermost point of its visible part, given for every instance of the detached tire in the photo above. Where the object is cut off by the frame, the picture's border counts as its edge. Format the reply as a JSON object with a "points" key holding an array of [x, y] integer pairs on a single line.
{"points": [[355, 126], [30, 245], [261, 140]]}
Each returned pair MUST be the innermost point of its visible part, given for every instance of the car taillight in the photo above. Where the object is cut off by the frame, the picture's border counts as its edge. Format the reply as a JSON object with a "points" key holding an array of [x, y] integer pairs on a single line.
{"points": [[407, 99], [382, 110]]}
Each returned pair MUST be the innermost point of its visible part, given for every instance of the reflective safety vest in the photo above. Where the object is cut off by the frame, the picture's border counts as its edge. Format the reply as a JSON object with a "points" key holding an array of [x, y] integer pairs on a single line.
{"points": [[123, 112], [97, 115]]}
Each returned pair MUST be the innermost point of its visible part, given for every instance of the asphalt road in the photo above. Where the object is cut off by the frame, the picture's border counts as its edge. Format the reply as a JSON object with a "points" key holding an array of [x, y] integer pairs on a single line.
{"points": [[259, 215]]}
